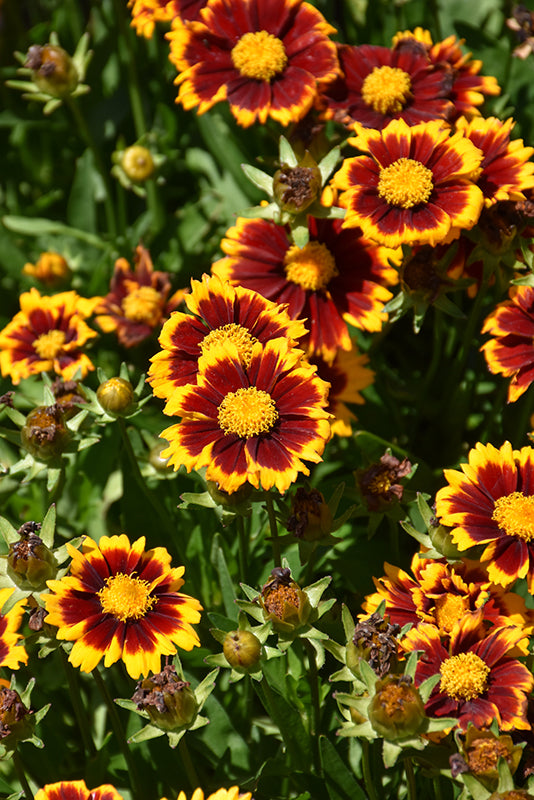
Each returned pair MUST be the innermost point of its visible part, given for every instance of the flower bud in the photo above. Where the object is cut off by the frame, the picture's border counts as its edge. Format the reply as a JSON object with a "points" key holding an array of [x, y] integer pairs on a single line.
{"points": [[396, 710], [16, 721], [222, 498], [51, 269], [44, 434], [295, 188], [137, 163], [53, 70], [156, 459], [116, 396], [169, 702], [67, 394], [284, 602], [30, 563], [374, 642], [310, 518], [242, 650]]}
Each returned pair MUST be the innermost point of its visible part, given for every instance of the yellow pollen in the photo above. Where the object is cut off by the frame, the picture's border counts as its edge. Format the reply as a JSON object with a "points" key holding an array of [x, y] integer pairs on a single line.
{"points": [[387, 90], [405, 183], [143, 305], [464, 677], [514, 514], [311, 267], [259, 55], [449, 609], [380, 484], [240, 336], [247, 412], [48, 345], [126, 597]]}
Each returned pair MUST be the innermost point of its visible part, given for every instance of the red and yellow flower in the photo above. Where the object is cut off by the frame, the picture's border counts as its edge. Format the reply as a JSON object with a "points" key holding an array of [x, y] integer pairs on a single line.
{"points": [[219, 312], [505, 170], [12, 653], [233, 793], [145, 13], [77, 790], [47, 334], [491, 502], [480, 680], [415, 186], [337, 279], [123, 602], [347, 376], [138, 302], [380, 84], [266, 59], [50, 269], [256, 424]]}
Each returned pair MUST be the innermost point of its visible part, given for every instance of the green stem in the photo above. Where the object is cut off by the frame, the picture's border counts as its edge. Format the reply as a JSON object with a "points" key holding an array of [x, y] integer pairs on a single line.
{"points": [[313, 679], [118, 729], [77, 705], [21, 775], [436, 782], [275, 542], [87, 136], [366, 767], [188, 764], [242, 548], [410, 779]]}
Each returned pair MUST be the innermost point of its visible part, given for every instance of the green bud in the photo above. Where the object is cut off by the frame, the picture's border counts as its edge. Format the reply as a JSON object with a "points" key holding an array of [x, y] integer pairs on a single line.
{"points": [[53, 70], [242, 650], [137, 163], [30, 563], [116, 396], [396, 710], [296, 188], [45, 434], [169, 702]]}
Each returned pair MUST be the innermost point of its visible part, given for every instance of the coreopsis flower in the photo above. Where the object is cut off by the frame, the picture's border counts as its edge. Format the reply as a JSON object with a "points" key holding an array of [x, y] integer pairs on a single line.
{"points": [[138, 302], [415, 185], [380, 84], [50, 269], [123, 602], [233, 793], [146, 13], [47, 334], [347, 376], [257, 424], [337, 279], [77, 790], [505, 169], [442, 593], [12, 652], [522, 23], [379, 483], [491, 501], [510, 351], [219, 312], [480, 680], [468, 88], [266, 59], [480, 751]]}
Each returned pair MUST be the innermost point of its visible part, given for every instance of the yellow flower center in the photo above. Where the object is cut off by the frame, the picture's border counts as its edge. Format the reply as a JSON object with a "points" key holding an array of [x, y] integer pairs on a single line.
{"points": [[240, 336], [259, 55], [126, 597], [312, 266], [380, 484], [405, 183], [48, 345], [387, 90], [514, 514], [247, 412], [464, 677], [143, 305], [449, 609]]}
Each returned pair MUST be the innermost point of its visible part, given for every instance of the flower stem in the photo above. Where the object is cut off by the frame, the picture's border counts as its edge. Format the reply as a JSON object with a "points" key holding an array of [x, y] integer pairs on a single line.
{"points": [[118, 728], [21, 775], [313, 679], [77, 705], [410, 779], [275, 542], [242, 548], [366, 767], [188, 764]]}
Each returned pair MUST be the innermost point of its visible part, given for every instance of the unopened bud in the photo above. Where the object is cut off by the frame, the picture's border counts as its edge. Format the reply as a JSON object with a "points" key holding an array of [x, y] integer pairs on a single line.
{"points": [[137, 163], [44, 434], [116, 396], [53, 69], [169, 702], [310, 518], [396, 711], [296, 188], [242, 650], [30, 563]]}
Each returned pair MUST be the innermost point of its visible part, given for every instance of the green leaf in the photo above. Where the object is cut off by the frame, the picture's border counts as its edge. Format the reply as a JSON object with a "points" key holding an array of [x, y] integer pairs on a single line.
{"points": [[225, 579], [259, 178], [340, 781], [39, 226], [48, 527], [289, 722], [81, 207]]}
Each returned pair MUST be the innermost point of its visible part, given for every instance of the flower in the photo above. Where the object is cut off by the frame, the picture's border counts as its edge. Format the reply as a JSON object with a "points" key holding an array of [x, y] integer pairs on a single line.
{"points": [[414, 186], [266, 59], [77, 790], [347, 375], [12, 653], [505, 168], [379, 482], [219, 312], [139, 300], [480, 751], [442, 593], [122, 602], [336, 279], [233, 793], [491, 502], [479, 682], [253, 424], [145, 13], [510, 351], [381, 84], [47, 334], [51, 269], [169, 702]]}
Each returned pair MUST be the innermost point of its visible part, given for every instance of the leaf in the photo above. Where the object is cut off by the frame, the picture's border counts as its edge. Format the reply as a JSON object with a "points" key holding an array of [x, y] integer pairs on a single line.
{"points": [[286, 154], [40, 226], [340, 781], [289, 722], [259, 178], [81, 207], [226, 583], [48, 526]]}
